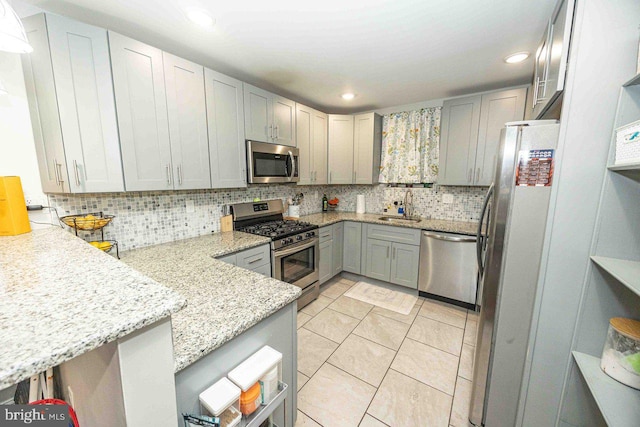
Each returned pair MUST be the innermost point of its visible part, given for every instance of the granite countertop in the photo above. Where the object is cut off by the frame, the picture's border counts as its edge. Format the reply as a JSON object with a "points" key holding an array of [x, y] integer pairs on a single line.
{"points": [[459, 227], [223, 300], [60, 297]]}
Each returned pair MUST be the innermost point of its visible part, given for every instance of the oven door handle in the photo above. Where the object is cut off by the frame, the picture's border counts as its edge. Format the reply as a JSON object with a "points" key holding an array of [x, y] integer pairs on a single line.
{"points": [[293, 249]]}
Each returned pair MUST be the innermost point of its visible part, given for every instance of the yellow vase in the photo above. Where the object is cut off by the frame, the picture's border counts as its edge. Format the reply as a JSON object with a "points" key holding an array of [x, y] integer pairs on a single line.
{"points": [[13, 209]]}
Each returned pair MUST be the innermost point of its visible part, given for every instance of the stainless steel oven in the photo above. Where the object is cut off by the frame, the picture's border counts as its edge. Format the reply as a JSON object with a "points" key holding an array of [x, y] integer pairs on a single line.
{"points": [[299, 265], [271, 163]]}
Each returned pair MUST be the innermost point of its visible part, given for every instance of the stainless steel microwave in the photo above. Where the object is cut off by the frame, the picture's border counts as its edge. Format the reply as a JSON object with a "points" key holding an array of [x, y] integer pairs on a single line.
{"points": [[269, 163]]}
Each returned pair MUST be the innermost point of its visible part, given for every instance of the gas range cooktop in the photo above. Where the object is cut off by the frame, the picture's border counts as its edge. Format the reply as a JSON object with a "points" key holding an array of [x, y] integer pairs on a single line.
{"points": [[278, 229]]}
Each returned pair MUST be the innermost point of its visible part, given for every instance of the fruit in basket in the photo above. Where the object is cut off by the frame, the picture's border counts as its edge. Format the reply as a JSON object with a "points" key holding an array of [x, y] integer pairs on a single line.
{"points": [[105, 246], [334, 201]]}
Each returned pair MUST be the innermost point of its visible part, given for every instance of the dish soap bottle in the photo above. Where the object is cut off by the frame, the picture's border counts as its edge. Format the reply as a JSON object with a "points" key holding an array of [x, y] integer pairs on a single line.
{"points": [[325, 203]]}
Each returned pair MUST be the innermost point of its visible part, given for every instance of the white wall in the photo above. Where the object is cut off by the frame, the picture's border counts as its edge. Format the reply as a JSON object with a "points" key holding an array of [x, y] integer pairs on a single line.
{"points": [[17, 149]]}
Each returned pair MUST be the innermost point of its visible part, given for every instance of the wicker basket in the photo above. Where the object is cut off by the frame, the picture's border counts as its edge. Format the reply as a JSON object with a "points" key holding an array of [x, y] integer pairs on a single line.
{"points": [[89, 222]]}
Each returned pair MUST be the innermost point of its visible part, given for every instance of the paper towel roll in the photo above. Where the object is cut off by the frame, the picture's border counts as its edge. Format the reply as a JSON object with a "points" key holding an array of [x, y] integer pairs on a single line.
{"points": [[360, 203]]}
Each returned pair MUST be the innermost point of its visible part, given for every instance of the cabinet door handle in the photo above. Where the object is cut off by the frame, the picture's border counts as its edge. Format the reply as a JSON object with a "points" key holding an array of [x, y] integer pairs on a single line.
{"points": [[387, 252], [256, 260], [541, 86], [59, 173], [77, 175], [470, 175], [535, 92], [180, 177], [394, 253], [55, 171], [168, 173], [271, 131], [277, 132], [478, 175]]}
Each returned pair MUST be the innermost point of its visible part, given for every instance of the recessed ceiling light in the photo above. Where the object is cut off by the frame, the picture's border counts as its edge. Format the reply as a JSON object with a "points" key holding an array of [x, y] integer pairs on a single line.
{"points": [[348, 96], [514, 58], [201, 18]]}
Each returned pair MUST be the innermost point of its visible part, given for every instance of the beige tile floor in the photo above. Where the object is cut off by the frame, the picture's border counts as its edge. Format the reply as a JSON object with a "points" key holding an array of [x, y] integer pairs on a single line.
{"points": [[361, 365]]}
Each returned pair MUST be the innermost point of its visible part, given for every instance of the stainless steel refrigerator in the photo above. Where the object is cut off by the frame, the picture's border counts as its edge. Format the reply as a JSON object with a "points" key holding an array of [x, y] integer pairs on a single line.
{"points": [[510, 240]]}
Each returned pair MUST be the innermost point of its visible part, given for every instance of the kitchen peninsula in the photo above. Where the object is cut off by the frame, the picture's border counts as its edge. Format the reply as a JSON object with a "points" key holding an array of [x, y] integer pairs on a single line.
{"points": [[112, 317]]}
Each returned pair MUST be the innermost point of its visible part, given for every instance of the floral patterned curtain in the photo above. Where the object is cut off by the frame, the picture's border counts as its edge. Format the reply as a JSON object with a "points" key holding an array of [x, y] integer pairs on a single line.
{"points": [[410, 143]]}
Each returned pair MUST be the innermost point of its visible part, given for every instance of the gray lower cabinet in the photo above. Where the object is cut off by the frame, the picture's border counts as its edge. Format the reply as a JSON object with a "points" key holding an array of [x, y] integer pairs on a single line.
{"points": [[391, 254], [378, 259], [255, 259], [383, 252], [352, 247], [326, 260], [338, 249], [405, 261]]}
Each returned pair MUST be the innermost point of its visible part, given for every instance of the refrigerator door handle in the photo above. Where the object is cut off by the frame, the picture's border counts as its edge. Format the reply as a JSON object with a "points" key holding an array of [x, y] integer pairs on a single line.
{"points": [[479, 238]]}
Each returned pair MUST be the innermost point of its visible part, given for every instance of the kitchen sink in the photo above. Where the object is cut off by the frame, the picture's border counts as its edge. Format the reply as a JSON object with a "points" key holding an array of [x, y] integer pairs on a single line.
{"points": [[400, 218]]}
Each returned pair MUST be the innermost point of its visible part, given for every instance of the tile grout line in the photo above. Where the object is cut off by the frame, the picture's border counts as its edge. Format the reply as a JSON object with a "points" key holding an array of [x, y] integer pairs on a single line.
{"points": [[455, 387], [389, 368], [421, 301], [327, 360]]}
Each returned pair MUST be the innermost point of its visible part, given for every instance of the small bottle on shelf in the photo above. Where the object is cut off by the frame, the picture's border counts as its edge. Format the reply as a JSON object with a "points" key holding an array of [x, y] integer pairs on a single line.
{"points": [[325, 203]]}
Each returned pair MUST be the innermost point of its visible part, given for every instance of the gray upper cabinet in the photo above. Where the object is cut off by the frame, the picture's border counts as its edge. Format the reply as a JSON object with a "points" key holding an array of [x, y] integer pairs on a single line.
{"points": [[138, 78], [405, 261], [258, 114], [184, 82], [367, 143], [304, 129], [225, 120], [352, 247], [284, 121], [268, 117], [311, 131], [497, 109], [69, 86], [320, 147], [338, 248], [552, 57], [326, 261], [458, 139], [340, 163], [470, 135]]}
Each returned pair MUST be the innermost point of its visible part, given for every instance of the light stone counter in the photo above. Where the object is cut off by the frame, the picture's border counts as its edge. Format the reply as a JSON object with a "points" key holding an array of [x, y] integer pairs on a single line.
{"points": [[223, 300], [459, 227], [60, 298]]}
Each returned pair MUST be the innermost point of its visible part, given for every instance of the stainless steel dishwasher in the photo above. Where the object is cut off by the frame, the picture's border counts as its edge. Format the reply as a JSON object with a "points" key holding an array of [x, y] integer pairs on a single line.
{"points": [[448, 269]]}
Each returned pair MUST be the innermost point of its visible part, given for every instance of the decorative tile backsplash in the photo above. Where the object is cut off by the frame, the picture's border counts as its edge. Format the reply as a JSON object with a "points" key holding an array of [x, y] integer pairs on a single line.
{"points": [[148, 218]]}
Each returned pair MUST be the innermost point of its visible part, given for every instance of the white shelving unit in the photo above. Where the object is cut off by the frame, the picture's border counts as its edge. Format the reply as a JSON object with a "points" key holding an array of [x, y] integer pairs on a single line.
{"points": [[619, 404], [612, 289], [626, 272]]}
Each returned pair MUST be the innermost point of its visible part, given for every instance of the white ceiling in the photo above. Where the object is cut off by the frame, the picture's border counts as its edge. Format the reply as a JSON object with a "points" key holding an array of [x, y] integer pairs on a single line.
{"points": [[387, 52]]}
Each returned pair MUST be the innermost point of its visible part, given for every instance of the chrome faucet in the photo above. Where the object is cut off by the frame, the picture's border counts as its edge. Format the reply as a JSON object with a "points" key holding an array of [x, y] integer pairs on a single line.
{"points": [[408, 204]]}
